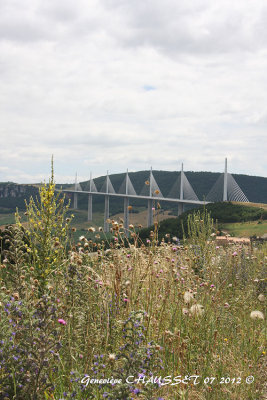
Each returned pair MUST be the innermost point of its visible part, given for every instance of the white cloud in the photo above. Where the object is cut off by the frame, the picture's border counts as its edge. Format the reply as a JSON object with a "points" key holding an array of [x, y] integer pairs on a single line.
{"points": [[75, 80]]}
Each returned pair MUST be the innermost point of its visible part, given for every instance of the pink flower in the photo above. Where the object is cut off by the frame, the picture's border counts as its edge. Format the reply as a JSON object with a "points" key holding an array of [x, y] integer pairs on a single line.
{"points": [[212, 286], [128, 255], [153, 208], [126, 300], [234, 253], [61, 321]]}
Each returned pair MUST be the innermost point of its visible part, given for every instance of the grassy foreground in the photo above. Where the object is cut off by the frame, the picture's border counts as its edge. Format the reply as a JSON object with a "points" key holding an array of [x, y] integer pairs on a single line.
{"points": [[112, 324]]}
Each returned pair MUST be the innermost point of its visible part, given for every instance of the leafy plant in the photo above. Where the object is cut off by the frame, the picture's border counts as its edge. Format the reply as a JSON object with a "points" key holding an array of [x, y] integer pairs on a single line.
{"points": [[47, 232]]}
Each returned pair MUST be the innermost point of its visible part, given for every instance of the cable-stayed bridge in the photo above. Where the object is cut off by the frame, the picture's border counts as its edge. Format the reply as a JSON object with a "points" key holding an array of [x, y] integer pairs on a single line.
{"points": [[225, 189]]}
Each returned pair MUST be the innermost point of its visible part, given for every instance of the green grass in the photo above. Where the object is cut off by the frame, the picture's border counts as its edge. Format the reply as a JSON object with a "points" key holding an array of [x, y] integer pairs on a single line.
{"points": [[9, 218], [245, 229], [6, 219]]}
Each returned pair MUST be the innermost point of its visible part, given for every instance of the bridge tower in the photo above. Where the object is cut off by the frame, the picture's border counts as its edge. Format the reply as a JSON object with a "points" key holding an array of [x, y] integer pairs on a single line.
{"points": [[106, 211], [181, 205], [150, 202], [90, 201], [75, 196], [226, 189], [126, 205], [225, 182]]}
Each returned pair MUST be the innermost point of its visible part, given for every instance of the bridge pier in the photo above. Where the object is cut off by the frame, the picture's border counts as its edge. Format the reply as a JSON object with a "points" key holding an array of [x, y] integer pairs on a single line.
{"points": [[75, 201], [180, 208], [126, 216], [90, 207], [149, 213], [106, 214]]}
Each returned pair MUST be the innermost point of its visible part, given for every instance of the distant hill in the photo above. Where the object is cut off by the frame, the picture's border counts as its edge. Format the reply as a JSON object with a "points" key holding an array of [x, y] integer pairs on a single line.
{"points": [[12, 195]]}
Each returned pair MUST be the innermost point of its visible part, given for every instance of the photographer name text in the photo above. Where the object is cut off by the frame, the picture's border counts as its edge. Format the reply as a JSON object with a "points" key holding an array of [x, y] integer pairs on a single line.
{"points": [[168, 380]]}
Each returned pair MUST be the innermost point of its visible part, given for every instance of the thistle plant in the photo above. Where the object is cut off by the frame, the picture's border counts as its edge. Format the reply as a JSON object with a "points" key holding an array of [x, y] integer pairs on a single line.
{"points": [[201, 229]]}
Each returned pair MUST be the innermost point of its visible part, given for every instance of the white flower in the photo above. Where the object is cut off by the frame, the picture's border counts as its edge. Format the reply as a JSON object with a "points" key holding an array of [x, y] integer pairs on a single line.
{"points": [[185, 310], [112, 357], [261, 297], [81, 238], [188, 296], [256, 315], [196, 309]]}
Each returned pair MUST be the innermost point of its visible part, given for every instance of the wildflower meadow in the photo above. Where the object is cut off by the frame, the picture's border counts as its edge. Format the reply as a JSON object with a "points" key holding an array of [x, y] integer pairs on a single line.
{"points": [[124, 319]]}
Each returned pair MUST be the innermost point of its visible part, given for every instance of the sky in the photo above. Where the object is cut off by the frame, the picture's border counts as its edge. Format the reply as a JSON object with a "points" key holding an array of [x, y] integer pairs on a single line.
{"points": [[116, 84]]}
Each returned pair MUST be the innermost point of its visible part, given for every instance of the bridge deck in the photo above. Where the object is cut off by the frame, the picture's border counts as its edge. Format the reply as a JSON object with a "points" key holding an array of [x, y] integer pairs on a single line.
{"points": [[139, 197]]}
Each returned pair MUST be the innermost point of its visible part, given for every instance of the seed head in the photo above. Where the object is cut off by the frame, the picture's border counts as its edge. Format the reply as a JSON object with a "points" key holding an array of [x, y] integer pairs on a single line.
{"points": [[196, 309], [261, 297], [188, 297], [256, 315]]}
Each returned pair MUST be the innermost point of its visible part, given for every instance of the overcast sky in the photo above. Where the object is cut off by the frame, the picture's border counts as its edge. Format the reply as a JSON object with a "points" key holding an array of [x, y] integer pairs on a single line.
{"points": [[116, 84]]}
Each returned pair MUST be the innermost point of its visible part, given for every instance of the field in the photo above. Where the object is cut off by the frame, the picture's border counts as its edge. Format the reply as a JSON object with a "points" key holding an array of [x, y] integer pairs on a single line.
{"points": [[260, 205], [245, 229], [148, 320]]}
